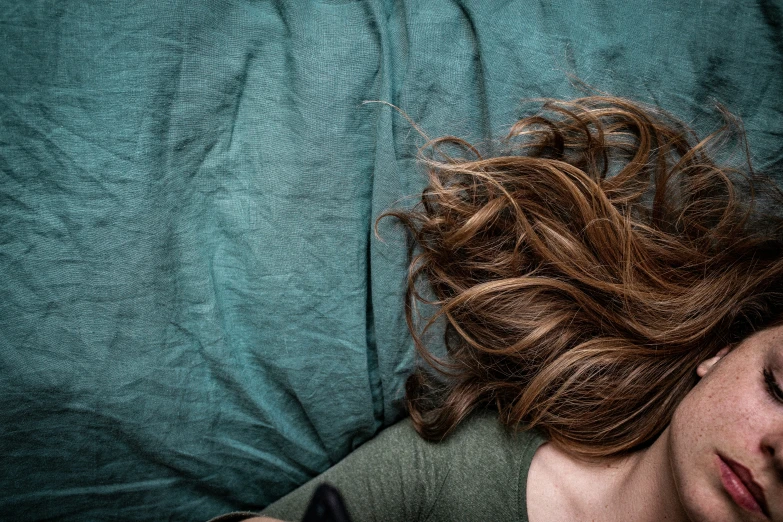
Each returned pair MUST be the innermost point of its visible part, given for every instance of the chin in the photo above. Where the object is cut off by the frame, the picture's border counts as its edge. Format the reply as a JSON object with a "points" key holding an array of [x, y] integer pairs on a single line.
{"points": [[701, 499], [706, 505]]}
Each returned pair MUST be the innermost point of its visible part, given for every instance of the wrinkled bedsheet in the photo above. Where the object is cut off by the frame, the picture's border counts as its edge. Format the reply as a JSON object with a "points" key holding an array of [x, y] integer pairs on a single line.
{"points": [[195, 316]]}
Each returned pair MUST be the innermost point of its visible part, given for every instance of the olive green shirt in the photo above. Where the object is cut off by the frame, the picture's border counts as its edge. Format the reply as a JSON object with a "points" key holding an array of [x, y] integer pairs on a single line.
{"points": [[478, 473]]}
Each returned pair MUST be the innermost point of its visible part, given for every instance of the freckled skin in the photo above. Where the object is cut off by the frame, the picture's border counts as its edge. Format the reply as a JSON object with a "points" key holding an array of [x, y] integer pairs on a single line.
{"points": [[730, 412]]}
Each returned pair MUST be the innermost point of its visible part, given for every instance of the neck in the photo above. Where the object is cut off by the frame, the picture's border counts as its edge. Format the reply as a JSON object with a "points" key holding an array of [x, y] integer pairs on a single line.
{"points": [[638, 487], [643, 488]]}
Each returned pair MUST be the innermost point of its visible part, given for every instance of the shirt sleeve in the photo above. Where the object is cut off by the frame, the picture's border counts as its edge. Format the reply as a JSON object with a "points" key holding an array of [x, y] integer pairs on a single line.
{"points": [[478, 473], [391, 477]]}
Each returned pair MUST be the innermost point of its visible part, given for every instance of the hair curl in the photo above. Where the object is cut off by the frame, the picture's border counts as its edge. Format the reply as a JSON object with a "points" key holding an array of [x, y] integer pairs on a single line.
{"points": [[586, 272]]}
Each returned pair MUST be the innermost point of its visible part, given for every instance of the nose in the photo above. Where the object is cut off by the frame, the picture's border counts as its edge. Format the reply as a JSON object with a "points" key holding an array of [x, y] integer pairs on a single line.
{"points": [[772, 446]]}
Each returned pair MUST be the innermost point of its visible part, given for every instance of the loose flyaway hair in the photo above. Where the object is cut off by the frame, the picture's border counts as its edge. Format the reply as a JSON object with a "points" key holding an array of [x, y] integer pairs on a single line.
{"points": [[584, 273]]}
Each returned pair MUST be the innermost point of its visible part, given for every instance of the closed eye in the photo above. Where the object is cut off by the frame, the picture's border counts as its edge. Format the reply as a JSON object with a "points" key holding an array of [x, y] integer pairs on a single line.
{"points": [[773, 386]]}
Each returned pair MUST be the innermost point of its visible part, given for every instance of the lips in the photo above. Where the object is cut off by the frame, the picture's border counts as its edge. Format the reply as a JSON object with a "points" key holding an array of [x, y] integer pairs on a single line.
{"points": [[738, 481]]}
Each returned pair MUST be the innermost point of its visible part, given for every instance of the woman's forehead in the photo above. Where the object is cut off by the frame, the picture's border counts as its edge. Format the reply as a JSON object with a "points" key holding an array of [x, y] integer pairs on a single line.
{"points": [[769, 341]]}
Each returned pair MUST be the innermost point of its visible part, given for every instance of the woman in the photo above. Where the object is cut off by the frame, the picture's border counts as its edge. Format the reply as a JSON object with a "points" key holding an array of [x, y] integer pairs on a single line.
{"points": [[614, 296]]}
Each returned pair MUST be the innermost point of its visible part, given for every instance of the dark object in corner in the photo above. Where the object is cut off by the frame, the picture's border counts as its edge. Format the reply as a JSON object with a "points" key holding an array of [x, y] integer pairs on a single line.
{"points": [[326, 506]]}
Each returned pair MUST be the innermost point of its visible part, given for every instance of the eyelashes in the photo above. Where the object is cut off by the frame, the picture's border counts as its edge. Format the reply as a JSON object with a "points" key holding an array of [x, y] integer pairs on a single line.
{"points": [[772, 385]]}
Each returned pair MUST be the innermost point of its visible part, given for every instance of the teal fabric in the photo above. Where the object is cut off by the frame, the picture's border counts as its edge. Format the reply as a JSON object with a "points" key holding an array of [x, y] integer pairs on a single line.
{"points": [[195, 316]]}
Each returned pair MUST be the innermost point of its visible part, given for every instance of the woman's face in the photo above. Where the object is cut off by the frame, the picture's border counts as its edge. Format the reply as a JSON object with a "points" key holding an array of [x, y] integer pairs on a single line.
{"points": [[726, 437]]}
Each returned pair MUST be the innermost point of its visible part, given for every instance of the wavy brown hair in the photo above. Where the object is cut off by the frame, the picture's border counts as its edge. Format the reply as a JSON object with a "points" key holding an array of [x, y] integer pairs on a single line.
{"points": [[584, 273]]}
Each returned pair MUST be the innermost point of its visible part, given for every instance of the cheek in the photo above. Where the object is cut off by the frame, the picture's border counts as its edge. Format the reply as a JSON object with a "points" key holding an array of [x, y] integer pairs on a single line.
{"points": [[730, 402], [698, 417], [739, 410], [692, 445], [708, 418], [725, 415]]}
